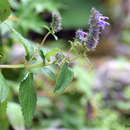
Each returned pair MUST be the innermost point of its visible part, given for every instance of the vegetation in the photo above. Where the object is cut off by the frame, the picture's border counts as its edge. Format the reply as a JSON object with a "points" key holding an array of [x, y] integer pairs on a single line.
{"points": [[55, 75]]}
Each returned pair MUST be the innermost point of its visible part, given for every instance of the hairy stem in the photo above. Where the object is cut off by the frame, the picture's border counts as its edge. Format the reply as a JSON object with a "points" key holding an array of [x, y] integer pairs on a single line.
{"points": [[23, 66]]}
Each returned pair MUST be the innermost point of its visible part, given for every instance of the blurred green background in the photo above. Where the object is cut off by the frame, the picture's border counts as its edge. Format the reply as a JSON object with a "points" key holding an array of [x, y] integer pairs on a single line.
{"points": [[99, 96]]}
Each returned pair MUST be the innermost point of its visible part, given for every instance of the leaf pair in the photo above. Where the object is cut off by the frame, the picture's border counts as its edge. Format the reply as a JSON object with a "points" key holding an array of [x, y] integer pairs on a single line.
{"points": [[27, 92]]}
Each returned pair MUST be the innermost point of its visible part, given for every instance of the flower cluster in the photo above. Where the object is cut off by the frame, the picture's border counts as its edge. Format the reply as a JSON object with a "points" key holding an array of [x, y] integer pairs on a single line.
{"points": [[81, 36], [56, 22], [59, 57], [97, 24]]}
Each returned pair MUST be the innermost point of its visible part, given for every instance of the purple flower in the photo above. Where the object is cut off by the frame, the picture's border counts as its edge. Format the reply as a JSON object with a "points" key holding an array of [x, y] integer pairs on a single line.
{"points": [[97, 24], [80, 36], [102, 22], [98, 19]]}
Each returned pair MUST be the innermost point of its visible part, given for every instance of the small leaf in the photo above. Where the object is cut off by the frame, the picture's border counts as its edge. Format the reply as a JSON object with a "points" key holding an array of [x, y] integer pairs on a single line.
{"points": [[4, 10], [15, 116], [56, 38], [46, 27], [26, 43], [64, 77], [3, 89], [42, 56], [52, 53], [47, 71], [27, 97]]}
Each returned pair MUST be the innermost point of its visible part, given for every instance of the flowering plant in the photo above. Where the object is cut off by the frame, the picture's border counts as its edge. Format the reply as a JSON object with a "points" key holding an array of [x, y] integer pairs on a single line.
{"points": [[97, 25], [37, 57]]}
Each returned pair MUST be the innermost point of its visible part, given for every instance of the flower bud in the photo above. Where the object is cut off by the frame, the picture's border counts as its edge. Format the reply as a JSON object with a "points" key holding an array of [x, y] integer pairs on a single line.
{"points": [[80, 36]]}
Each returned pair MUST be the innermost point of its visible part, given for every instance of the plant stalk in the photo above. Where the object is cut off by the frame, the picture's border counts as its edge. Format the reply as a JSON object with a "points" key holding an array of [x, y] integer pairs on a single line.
{"points": [[3, 66], [44, 39]]}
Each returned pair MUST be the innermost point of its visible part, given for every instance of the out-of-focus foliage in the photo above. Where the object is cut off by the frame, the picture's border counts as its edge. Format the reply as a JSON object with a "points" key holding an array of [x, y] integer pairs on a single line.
{"points": [[75, 14], [28, 13], [4, 10], [15, 116], [3, 89], [126, 36]]}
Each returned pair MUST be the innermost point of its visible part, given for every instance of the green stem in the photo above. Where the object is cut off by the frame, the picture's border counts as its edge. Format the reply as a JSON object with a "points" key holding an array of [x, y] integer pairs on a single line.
{"points": [[23, 66], [36, 65], [44, 39], [12, 66], [75, 58]]}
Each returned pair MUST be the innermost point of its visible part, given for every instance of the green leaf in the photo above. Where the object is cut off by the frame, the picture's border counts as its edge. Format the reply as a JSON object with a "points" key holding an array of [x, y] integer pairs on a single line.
{"points": [[47, 28], [15, 116], [3, 118], [84, 79], [29, 47], [52, 53], [64, 77], [3, 89], [42, 56], [49, 71], [4, 10], [27, 97]]}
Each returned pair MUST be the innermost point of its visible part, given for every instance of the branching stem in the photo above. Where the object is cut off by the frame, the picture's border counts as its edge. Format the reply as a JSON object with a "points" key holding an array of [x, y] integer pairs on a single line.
{"points": [[42, 43]]}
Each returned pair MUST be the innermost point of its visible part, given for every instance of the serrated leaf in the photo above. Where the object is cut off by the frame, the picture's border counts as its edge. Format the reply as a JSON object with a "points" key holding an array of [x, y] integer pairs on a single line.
{"points": [[3, 89], [15, 116], [4, 10], [64, 77], [27, 97], [26, 43]]}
